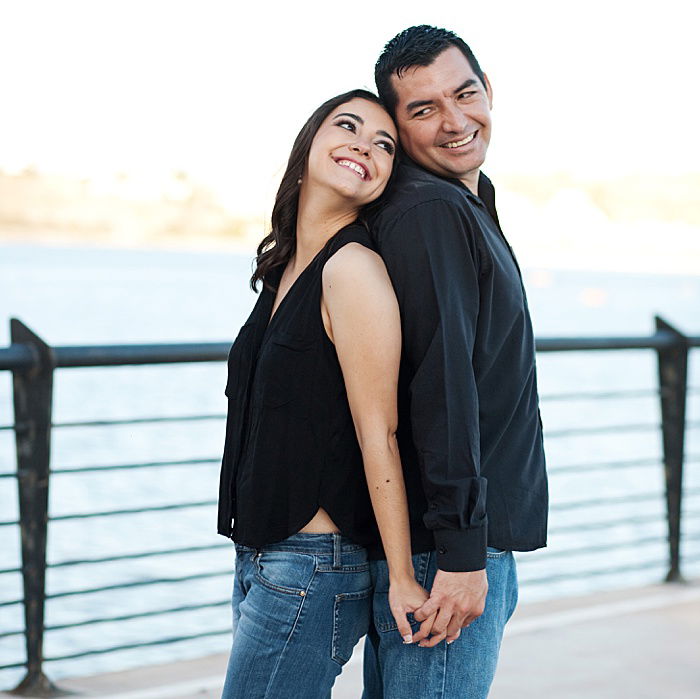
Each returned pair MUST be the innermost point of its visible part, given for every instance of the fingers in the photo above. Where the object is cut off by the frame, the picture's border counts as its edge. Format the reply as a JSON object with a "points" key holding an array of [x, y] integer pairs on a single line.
{"points": [[454, 628], [451, 633], [452, 637], [427, 609], [439, 630], [403, 626], [425, 627]]}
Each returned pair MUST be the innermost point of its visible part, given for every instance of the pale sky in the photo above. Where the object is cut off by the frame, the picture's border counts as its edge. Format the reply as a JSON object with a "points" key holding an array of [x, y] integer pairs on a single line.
{"points": [[219, 91]]}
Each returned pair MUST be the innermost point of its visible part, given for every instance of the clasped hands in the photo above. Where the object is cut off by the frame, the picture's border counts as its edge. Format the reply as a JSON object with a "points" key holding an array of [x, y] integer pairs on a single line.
{"points": [[455, 600]]}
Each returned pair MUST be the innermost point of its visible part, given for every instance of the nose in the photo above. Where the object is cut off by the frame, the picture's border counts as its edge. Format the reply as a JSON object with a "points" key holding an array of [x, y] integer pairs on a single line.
{"points": [[361, 148], [454, 120]]}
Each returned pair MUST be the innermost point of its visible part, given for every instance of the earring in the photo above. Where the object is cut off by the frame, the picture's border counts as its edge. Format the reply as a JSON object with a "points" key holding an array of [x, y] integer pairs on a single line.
{"points": [[299, 181]]}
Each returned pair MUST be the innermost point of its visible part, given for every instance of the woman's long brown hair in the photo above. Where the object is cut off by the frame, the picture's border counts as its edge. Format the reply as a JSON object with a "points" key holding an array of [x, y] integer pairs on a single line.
{"points": [[278, 246]]}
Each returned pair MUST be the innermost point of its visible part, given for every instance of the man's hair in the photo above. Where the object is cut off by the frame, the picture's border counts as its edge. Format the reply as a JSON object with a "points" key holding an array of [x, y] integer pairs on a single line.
{"points": [[415, 46]]}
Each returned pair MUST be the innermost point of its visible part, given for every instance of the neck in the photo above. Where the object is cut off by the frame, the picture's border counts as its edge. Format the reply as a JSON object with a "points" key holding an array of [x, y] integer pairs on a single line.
{"points": [[316, 222], [471, 181]]}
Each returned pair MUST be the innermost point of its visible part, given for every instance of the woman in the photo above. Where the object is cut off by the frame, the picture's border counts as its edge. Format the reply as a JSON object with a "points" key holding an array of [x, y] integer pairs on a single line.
{"points": [[311, 457]]}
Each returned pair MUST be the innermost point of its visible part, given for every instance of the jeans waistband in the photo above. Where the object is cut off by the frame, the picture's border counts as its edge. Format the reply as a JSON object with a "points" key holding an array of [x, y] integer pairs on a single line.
{"points": [[319, 544]]}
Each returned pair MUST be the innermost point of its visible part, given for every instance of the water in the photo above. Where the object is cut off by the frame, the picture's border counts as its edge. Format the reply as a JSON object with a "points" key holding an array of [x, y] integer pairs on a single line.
{"points": [[75, 296]]}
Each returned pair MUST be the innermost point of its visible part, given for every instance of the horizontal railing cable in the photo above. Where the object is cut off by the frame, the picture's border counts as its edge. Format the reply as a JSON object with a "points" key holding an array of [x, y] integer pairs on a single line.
{"points": [[137, 555], [616, 500], [125, 617], [603, 429], [613, 570], [138, 420], [598, 502], [142, 644], [13, 666], [126, 585], [132, 511], [145, 464], [139, 583], [585, 550], [603, 465], [601, 395], [605, 524]]}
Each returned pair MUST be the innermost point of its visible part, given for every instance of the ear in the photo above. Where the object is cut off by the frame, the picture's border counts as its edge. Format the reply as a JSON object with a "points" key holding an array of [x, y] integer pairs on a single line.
{"points": [[489, 91]]}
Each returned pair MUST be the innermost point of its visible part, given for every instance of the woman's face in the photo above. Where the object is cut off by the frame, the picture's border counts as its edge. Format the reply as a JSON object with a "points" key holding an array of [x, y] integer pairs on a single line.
{"points": [[353, 151]]}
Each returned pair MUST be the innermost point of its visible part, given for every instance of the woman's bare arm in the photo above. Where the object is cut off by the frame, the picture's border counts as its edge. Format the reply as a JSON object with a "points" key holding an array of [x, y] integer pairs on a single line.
{"points": [[366, 330]]}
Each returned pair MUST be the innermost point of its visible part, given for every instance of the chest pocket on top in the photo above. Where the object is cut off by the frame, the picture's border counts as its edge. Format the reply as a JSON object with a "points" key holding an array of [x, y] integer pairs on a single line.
{"points": [[239, 360], [286, 373]]}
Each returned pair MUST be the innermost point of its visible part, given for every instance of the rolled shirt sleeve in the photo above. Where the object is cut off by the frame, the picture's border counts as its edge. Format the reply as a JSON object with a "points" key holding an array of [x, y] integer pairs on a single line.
{"points": [[431, 257]]}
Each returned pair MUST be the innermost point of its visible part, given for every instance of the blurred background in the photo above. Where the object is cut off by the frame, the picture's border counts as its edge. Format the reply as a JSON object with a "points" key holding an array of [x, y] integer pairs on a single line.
{"points": [[137, 123], [141, 144]]}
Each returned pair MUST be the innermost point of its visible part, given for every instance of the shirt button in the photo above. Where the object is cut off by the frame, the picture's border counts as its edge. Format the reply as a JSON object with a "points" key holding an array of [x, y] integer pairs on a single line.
{"points": [[442, 549]]}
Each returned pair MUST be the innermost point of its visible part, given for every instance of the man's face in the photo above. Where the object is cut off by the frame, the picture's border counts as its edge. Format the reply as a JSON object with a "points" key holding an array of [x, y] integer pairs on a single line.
{"points": [[443, 115]]}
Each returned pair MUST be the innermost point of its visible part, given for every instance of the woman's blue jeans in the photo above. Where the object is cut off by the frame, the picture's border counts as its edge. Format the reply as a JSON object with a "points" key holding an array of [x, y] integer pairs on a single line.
{"points": [[299, 608], [462, 670]]}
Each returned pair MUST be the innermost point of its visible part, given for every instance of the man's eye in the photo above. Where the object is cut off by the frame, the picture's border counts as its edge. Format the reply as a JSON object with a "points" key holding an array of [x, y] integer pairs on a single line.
{"points": [[349, 125], [422, 112], [466, 95]]}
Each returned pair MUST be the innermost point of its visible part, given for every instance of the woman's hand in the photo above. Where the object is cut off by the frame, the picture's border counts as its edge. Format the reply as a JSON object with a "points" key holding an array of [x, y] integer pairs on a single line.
{"points": [[406, 595]]}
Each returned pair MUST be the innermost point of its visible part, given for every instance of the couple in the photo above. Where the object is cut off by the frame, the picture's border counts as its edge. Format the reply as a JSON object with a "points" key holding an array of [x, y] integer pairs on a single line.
{"points": [[385, 375]]}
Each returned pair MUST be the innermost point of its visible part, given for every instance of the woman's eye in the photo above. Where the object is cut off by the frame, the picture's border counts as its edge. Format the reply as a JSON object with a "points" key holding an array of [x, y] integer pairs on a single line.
{"points": [[388, 147], [349, 125]]}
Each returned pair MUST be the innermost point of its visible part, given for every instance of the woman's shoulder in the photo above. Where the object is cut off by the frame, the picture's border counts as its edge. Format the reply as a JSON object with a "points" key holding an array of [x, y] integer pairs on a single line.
{"points": [[356, 232], [353, 258], [355, 279]]}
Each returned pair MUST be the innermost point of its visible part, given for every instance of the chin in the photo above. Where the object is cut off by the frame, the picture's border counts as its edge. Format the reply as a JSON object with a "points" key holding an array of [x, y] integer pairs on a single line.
{"points": [[460, 170], [347, 191]]}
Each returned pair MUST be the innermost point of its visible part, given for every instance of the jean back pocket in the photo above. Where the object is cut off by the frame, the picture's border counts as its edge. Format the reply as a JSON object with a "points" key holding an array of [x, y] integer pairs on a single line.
{"points": [[351, 617]]}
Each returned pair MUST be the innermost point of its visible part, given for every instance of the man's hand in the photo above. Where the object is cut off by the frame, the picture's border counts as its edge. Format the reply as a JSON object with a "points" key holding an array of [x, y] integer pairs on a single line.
{"points": [[458, 599]]}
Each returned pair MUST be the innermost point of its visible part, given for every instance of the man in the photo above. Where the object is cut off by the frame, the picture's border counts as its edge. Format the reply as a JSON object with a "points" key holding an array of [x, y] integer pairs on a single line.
{"points": [[470, 433]]}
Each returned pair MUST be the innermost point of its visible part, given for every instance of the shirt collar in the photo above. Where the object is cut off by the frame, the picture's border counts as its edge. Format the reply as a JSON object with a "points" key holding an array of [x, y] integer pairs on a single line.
{"points": [[487, 192]]}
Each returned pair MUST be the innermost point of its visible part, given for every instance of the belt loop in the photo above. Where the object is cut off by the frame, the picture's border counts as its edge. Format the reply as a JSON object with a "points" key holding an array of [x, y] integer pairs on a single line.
{"points": [[336, 551]]}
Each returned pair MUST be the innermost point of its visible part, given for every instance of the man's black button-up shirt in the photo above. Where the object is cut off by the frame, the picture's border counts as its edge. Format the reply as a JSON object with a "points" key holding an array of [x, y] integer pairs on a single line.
{"points": [[468, 405]]}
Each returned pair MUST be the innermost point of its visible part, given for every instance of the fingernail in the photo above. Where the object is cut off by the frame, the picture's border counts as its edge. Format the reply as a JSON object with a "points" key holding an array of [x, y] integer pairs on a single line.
{"points": [[408, 638], [452, 641]]}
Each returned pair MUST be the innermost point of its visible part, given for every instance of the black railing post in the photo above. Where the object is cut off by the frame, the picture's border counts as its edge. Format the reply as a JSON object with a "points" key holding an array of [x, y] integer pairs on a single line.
{"points": [[673, 372], [32, 394]]}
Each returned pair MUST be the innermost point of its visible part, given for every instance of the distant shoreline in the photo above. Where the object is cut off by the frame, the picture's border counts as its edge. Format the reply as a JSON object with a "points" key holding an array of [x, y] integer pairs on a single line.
{"points": [[532, 257], [209, 243]]}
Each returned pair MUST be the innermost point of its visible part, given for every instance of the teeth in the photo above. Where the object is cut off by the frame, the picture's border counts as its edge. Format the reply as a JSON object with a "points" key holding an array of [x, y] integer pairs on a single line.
{"points": [[457, 144], [353, 166]]}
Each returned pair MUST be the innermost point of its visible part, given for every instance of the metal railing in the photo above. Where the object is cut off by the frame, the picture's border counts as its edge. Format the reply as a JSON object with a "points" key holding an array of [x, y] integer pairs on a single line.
{"points": [[33, 364]]}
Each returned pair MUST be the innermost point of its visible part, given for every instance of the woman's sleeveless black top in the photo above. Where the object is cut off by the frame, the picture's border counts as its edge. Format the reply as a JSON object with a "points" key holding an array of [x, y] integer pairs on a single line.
{"points": [[290, 443]]}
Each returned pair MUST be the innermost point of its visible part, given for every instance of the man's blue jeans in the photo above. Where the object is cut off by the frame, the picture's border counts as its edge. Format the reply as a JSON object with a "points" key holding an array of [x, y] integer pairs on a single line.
{"points": [[464, 669], [299, 608]]}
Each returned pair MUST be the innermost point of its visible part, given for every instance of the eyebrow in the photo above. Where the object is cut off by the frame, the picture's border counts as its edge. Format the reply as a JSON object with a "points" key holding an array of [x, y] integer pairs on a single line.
{"points": [[470, 82], [352, 116], [388, 135], [362, 121]]}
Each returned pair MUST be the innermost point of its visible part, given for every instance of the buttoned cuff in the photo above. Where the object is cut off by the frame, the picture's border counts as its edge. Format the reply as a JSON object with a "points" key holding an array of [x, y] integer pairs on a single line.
{"points": [[461, 550]]}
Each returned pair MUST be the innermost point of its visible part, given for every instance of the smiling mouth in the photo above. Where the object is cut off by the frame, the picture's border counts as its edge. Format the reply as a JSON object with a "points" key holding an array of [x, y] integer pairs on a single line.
{"points": [[358, 169], [463, 142]]}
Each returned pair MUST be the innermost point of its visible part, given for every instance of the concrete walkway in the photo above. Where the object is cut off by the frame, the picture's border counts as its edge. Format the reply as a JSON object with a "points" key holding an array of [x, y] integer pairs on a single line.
{"points": [[629, 644]]}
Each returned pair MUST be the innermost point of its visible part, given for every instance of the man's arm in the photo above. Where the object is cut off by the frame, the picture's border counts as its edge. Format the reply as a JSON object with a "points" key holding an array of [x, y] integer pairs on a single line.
{"points": [[430, 259]]}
